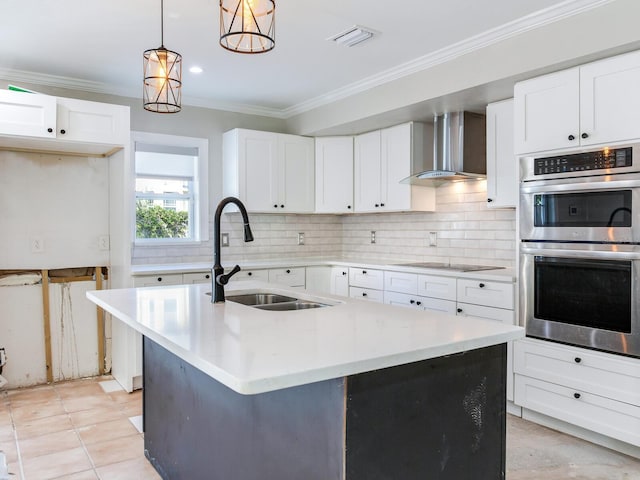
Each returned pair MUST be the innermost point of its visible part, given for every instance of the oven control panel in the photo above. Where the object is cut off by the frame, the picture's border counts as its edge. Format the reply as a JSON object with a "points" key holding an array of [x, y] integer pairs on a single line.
{"points": [[605, 159]]}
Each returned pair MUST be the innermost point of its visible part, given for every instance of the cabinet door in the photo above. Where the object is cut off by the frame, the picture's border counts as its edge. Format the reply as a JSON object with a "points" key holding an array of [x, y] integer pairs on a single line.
{"points": [[296, 172], [396, 145], [490, 294], [91, 122], [502, 172], [547, 112], [27, 114], [255, 275], [258, 170], [610, 100], [318, 279], [196, 277], [290, 277], [401, 282], [366, 294], [340, 281], [367, 172], [437, 287], [157, 280], [366, 278], [334, 175]]}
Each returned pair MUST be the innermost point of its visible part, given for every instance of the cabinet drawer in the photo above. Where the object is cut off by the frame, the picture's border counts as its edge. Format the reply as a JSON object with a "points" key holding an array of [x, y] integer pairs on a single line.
{"points": [[607, 375], [602, 415], [197, 277], [402, 299], [437, 287], [500, 314], [153, 280], [291, 277], [491, 294], [366, 278], [366, 294], [401, 282], [438, 305], [257, 275]]}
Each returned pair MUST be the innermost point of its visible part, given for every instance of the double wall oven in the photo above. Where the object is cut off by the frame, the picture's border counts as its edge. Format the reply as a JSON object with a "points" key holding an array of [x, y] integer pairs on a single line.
{"points": [[580, 251]]}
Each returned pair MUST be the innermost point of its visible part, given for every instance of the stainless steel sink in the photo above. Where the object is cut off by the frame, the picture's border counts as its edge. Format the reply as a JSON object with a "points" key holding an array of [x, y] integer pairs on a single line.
{"points": [[286, 306], [255, 299]]}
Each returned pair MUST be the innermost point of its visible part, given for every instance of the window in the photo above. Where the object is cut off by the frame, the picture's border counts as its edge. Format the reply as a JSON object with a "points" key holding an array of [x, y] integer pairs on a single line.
{"points": [[170, 188]]}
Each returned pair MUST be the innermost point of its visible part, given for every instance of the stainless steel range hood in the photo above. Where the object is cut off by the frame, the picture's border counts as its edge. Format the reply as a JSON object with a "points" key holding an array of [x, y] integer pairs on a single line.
{"points": [[459, 150]]}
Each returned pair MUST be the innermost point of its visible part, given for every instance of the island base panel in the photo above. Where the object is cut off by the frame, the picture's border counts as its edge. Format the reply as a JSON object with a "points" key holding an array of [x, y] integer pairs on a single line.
{"points": [[441, 418], [198, 429]]}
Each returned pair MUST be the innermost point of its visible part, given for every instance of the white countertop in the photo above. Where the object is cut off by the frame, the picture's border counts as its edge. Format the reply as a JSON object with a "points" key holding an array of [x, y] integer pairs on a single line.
{"points": [[499, 275], [255, 351]]}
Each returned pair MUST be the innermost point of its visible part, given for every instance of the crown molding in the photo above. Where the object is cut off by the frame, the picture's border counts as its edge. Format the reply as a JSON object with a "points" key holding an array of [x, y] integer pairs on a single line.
{"points": [[543, 17], [538, 19]]}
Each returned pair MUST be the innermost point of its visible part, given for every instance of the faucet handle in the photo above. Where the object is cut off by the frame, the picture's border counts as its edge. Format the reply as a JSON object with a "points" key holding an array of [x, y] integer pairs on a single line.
{"points": [[224, 279]]}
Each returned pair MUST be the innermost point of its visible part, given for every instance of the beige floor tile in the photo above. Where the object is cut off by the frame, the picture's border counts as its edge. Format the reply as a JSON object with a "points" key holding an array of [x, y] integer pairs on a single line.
{"points": [[57, 464], [42, 426], [126, 397], [86, 475], [77, 404], [116, 450], [132, 409], [19, 398], [139, 468], [101, 432], [49, 443], [81, 390], [96, 415], [28, 413]]}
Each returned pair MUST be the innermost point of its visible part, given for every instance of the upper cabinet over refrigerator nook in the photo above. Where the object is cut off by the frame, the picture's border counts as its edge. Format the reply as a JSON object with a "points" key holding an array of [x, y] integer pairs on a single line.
{"points": [[31, 121], [269, 172], [594, 104], [502, 172], [383, 158]]}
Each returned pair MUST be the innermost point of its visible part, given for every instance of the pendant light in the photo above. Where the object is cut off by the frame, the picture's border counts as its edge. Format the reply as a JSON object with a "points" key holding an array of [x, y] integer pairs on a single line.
{"points": [[162, 76], [247, 26]]}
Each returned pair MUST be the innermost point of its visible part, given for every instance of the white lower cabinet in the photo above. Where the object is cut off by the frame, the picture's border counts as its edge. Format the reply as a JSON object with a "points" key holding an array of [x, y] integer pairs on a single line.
{"points": [[339, 282], [366, 278], [157, 280], [593, 390], [318, 279], [420, 303], [289, 277], [196, 277], [257, 275], [366, 294]]}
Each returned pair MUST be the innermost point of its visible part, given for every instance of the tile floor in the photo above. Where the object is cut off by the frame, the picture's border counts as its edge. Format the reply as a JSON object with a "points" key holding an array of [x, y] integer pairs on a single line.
{"points": [[89, 429]]}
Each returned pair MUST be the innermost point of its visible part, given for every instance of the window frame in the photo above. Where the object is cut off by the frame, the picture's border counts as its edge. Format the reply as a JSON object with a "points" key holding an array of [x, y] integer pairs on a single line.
{"points": [[200, 206]]}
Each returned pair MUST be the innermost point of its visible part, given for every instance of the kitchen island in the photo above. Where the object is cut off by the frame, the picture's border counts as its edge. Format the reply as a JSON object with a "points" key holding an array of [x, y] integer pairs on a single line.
{"points": [[353, 390]]}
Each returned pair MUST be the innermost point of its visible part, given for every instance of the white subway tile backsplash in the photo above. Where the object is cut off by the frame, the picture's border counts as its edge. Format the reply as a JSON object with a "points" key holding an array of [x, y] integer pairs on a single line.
{"points": [[467, 232]]}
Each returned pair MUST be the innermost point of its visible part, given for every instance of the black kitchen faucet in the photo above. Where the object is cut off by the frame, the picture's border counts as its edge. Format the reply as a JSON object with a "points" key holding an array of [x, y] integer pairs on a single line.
{"points": [[218, 277]]}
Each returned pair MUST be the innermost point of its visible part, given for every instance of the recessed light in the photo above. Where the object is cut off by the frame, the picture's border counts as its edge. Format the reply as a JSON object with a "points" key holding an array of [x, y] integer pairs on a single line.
{"points": [[195, 69]]}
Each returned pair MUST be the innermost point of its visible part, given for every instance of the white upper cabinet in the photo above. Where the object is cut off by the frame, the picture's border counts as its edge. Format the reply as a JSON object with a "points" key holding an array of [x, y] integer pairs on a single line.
{"points": [[269, 172], [27, 114], [381, 160], [594, 104], [334, 174], [502, 172], [92, 122]]}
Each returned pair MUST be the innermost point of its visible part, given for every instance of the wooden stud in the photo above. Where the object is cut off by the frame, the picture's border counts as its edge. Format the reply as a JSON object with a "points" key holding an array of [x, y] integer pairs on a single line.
{"points": [[47, 325], [101, 359]]}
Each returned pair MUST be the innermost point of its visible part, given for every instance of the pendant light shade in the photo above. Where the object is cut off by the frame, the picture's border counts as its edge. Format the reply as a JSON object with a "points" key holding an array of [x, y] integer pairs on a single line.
{"points": [[162, 91], [247, 26]]}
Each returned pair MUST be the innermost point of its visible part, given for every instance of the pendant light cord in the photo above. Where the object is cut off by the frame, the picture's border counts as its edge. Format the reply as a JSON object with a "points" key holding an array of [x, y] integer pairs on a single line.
{"points": [[162, 23]]}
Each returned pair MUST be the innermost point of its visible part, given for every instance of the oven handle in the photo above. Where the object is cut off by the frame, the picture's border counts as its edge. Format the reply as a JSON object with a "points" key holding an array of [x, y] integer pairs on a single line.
{"points": [[566, 186], [563, 252]]}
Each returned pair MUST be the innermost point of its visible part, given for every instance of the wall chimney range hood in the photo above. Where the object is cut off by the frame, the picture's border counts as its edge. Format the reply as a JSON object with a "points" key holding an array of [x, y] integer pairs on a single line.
{"points": [[459, 150]]}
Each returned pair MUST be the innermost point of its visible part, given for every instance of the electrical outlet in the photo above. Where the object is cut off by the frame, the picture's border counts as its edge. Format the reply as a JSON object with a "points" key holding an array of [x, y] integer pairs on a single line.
{"points": [[37, 245], [373, 236], [301, 238], [433, 239], [225, 239], [103, 242]]}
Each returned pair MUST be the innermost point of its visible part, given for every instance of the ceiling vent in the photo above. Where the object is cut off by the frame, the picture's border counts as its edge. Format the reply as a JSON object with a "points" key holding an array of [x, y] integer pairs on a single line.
{"points": [[352, 36]]}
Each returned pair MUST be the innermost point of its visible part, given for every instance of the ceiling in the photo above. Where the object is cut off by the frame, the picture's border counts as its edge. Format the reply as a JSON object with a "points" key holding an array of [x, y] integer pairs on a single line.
{"points": [[97, 46]]}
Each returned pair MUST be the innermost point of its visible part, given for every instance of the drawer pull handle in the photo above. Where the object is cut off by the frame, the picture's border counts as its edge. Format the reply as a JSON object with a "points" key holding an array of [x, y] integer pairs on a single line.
{"points": [[249, 273], [344, 273], [364, 272], [275, 206], [159, 279], [418, 303], [412, 302], [481, 285], [63, 131], [577, 359], [459, 310], [364, 294], [571, 137], [281, 206], [207, 276], [382, 204], [349, 206], [576, 395], [288, 271], [50, 130], [585, 135]]}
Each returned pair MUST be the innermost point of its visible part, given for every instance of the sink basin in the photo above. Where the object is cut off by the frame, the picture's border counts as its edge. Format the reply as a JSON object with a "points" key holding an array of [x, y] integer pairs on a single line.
{"points": [[285, 306], [253, 299]]}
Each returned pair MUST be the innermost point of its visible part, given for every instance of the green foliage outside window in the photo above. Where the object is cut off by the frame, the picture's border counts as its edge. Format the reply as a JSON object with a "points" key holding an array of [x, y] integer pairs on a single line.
{"points": [[154, 221]]}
